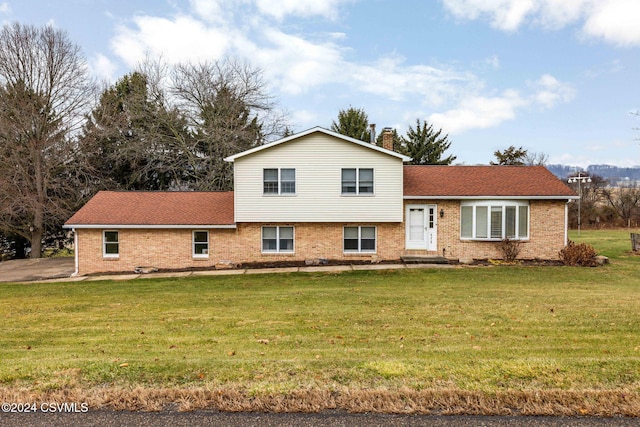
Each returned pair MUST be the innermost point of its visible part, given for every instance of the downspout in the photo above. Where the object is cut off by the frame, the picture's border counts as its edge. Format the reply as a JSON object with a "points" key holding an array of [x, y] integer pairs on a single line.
{"points": [[566, 222], [75, 250]]}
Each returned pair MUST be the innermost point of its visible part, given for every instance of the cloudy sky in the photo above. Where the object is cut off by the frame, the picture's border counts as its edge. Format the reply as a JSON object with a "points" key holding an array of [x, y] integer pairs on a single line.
{"points": [[559, 77]]}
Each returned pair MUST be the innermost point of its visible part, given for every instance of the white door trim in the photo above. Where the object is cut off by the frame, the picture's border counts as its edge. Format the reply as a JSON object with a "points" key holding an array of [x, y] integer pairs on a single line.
{"points": [[428, 239]]}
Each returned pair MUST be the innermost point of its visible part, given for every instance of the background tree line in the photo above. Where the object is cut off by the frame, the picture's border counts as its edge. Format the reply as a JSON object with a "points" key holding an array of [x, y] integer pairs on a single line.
{"points": [[63, 137]]}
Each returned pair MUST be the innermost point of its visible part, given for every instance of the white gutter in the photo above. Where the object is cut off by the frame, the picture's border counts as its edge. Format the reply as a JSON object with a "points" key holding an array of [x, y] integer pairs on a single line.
{"points": [[134, 226], [490, 197]]}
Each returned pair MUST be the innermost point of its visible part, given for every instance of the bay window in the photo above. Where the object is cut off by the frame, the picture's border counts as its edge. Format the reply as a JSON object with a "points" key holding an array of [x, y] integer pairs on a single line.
{"points": [[494, 220]]}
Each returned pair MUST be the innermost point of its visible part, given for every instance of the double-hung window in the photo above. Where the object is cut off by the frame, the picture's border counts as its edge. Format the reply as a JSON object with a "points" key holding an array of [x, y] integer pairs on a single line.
{"points": [[110, 244], [357, 181], [277, 239], [200, 244], [279, 181], [494, 220], [359, 239]]}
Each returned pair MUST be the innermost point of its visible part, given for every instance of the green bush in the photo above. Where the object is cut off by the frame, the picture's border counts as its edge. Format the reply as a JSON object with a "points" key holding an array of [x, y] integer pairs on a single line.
{"points": [[582, 254]]}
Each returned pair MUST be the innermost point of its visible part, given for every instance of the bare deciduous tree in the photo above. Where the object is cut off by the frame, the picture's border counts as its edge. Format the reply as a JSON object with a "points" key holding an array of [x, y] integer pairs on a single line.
{"points": [[625, 201], [45, 93], [229, 110]]}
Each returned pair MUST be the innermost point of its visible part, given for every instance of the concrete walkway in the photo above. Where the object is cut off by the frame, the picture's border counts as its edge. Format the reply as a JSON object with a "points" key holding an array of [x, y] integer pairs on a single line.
{"points": [[61, 269]]}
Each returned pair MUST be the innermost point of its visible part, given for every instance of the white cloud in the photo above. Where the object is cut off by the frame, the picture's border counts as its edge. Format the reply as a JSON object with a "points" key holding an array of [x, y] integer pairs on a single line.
{"points": [[475, 111], [279, 9], [5, 9], [615, 21], [293, 63], [549, 91], [390, 78], [478, 112], [103, 67], [179, 40]]}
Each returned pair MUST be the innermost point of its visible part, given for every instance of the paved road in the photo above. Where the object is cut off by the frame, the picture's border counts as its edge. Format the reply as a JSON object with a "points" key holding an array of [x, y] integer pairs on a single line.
{"points": [[204, 418], [27, 270]]}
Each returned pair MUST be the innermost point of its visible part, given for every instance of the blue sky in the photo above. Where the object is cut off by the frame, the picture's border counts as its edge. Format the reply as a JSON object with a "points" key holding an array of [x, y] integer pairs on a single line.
{"points": [[559, 77]]}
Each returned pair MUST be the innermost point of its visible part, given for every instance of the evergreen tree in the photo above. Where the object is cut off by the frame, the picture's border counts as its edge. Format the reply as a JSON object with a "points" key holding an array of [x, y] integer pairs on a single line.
{"points": [[510, 156], [353, 123], [427, 146]]}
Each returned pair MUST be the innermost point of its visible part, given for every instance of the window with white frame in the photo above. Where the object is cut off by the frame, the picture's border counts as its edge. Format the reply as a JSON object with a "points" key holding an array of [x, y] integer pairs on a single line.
{"points": [[200, 244], [279, 181], [494, 220], [357, 181], [277, 239], [110, 244], [359, 239]]}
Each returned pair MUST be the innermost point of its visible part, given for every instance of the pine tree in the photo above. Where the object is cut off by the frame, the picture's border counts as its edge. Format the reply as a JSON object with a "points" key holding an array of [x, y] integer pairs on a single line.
{"points": [[427, 146], [354, 123]]}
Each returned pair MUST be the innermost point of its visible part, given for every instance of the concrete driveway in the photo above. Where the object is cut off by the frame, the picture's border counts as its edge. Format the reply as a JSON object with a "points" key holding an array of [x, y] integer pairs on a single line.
{"points": [[28, 270]]}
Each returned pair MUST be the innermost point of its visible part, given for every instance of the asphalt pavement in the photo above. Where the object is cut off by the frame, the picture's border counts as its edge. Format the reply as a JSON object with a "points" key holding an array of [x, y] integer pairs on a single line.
{"points": [[331, 419]]}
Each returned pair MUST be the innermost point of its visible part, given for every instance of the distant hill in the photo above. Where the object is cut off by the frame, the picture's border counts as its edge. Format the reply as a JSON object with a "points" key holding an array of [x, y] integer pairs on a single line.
{"points": [[613, 174]]}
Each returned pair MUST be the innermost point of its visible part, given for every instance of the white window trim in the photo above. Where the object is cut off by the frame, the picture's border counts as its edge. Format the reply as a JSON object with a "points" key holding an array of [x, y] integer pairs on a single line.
{"points": [[104, 244], [280, 193], [193, 244], [496, 203], [278, 250], [360, 250], [358, 193]]}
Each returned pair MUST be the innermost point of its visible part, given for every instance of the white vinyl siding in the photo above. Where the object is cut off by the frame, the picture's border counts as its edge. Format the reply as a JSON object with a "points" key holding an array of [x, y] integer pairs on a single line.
{"points": [[318, 160], [494, 220]]}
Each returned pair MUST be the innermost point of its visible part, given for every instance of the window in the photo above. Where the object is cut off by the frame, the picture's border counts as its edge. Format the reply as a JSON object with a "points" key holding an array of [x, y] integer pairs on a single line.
{"points": [[201, 244], [494, 220], [277, 239], [279, 181], [357, 181], [359, 239], [110, 244]]}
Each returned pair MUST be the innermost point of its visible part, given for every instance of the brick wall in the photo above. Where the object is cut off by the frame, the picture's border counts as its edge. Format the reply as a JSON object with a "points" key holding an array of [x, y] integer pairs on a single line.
{"points": [[546, 232], [172, 249]]}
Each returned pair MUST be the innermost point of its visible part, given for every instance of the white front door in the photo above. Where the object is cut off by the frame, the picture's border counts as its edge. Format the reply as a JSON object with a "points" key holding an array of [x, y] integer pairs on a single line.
{"points": [[422, 227]]}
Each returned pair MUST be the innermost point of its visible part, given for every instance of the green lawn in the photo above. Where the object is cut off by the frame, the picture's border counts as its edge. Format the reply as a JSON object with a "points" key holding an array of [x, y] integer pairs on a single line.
{"points": [[478, 329]]}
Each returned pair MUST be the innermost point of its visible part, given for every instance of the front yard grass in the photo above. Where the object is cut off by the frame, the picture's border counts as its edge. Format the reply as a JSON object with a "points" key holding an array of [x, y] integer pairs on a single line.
{"points": [[506, 339]]}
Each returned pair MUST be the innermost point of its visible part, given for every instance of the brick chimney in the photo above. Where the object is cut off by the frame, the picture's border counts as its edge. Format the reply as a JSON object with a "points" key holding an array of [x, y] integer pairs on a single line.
{"points": [[387, 139]]}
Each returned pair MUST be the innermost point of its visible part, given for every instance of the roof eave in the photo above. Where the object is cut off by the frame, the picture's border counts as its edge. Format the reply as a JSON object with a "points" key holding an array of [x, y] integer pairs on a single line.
{"points": [[538, 197], [150, 226], [310, 131]]}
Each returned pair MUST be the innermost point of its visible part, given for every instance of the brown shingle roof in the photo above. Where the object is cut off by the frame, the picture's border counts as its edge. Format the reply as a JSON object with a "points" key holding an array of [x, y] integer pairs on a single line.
{"points": [[156, 209], [483, 181]]}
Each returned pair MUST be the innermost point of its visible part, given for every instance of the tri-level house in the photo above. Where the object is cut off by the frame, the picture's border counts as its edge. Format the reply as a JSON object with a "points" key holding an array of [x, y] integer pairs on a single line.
{"points": [[319, 194]]}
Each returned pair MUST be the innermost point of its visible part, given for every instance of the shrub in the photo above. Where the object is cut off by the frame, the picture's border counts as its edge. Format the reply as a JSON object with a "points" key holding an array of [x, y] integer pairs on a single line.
{"points": [[582, 254], [510, 249]]}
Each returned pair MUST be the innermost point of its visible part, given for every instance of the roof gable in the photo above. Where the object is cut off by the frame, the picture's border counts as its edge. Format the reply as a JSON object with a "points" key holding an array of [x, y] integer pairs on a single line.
{"points": [[149, 209], [317, 129], [469, 182]]}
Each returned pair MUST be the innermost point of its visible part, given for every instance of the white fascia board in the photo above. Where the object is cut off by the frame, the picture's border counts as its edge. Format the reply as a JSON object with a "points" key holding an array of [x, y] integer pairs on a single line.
{"points": [[150, 227], [326, 132], [490, 197]]}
